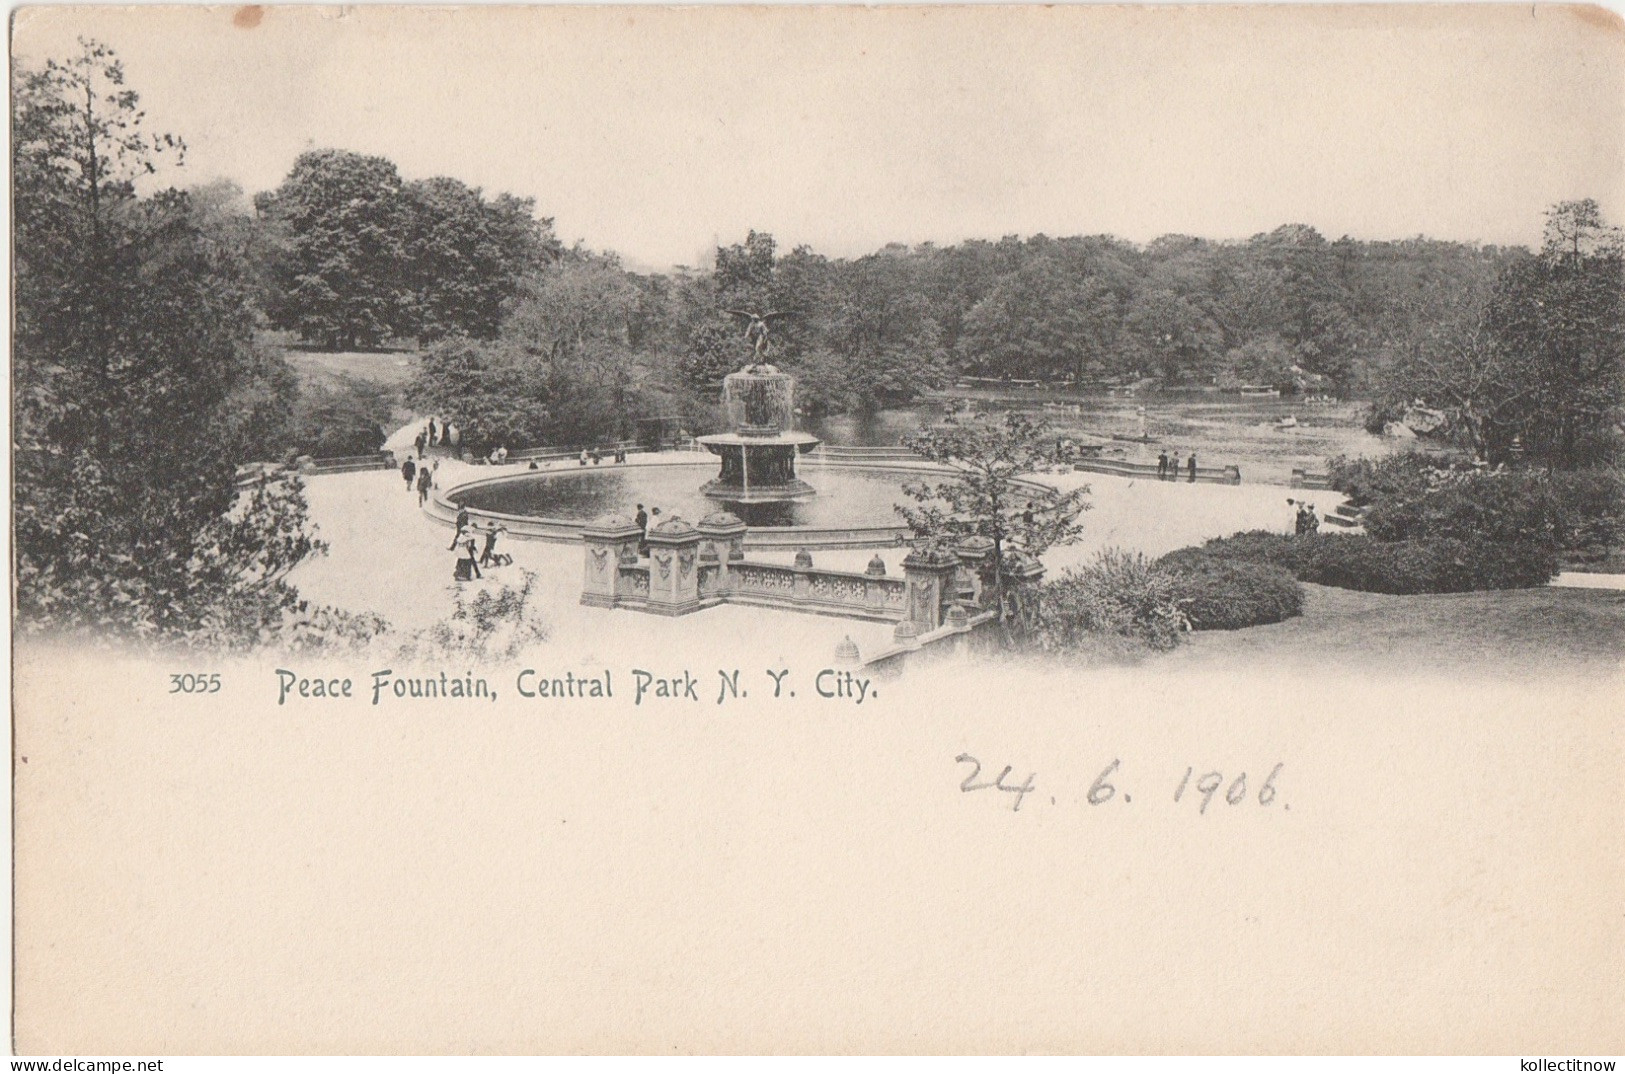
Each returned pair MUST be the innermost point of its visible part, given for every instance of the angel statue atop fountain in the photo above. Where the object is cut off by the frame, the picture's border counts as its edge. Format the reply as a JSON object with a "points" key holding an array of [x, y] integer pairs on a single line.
{"points": [[757, 327]]}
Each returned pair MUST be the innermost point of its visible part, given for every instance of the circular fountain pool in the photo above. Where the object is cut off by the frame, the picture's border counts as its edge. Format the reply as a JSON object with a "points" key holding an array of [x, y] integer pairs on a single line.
{"points": [[854, 505]]}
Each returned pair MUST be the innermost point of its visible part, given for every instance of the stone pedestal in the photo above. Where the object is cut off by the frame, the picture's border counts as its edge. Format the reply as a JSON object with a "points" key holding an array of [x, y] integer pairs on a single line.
{"points": [[674, 577], [929, 574], [722, 544], [609, 542], [976, 553]]}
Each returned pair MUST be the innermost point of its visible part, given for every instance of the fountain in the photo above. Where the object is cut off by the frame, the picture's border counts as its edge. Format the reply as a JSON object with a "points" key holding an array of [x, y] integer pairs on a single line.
{"points": [[759, 456]]}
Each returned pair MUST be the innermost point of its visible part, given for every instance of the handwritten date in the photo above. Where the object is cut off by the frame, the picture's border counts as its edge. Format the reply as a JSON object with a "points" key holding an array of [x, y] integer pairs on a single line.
{"points": [[1106, 786]]}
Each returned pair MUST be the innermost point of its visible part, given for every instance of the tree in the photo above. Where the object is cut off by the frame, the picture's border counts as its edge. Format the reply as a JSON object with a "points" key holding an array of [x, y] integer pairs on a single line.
{"points": [[1559, 319], [1448, 359], [712, 353], [341, 274], [1539, 358], [878, 330], [494, 393], [988, 496], [465, 257], [136, 384], [577, 321], [563, 370]]}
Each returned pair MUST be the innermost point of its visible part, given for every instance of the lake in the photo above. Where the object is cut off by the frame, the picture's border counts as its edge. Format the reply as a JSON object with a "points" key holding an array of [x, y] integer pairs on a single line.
{"points": [[1223, 430]]}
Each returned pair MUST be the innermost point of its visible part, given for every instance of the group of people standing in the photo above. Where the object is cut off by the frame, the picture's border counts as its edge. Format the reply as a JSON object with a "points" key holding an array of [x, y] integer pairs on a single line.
{"points": [[1308, 520], [1168, 467], [470, 557], [419, 476], [644, 520], [437, 435]]}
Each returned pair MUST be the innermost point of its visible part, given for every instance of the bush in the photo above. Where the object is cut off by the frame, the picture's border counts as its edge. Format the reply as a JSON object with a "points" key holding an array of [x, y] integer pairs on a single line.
{"points": [[1581, 513], [1590, 513], [1431, 565], [1119, 603], [490, 626], [1221, 594], [1252, 546], [339, 419], [1507, 508], [1366, 481]]}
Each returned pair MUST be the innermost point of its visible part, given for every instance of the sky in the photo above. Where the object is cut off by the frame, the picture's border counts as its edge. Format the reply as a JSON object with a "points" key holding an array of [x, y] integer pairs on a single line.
{"points": [[659, 132]]}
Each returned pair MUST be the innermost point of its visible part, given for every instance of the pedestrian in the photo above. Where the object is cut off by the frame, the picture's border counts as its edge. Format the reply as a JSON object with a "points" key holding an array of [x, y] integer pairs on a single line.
{"points": [[423, 485], [409, 470], [467, 565], [583, 456], [432, 440], [462, 524], [1162, 465], [419, 442], [642, 519], [1027, 515], [488, 553], [1190, 468]]}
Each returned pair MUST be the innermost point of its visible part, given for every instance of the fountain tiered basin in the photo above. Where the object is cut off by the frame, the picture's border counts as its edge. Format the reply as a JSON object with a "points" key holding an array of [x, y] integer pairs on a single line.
{"points": [[759, 456]]}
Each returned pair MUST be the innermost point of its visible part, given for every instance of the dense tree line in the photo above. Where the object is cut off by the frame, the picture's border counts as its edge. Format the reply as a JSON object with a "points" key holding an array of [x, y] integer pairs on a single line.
{"points": [[142, 378]]}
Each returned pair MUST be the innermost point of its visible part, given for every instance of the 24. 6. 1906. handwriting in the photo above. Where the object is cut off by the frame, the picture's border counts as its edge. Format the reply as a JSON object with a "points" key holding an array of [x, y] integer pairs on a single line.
{"points": [[1202, 791]]}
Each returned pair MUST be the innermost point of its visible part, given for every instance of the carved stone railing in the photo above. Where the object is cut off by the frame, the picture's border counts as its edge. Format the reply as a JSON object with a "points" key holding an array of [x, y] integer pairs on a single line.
{"points": [[807, 588], [689, 567]]}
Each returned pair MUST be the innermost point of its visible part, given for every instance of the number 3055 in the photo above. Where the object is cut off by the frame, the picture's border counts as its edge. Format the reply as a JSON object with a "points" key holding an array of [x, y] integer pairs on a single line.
{"points": [[195, 684]]}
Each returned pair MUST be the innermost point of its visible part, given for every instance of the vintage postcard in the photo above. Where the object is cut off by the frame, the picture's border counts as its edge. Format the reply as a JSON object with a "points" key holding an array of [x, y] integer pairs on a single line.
{"points": [[818, 530]]}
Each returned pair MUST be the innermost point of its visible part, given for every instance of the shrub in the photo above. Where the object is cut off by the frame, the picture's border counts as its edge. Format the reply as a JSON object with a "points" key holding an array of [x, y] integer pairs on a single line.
{"points": [[1366, 480], [1221, 594], [342, 418], [1431, 565], [1508, 508], [1120, 602], [490, 626], [1253, 546], [1590, 513]]}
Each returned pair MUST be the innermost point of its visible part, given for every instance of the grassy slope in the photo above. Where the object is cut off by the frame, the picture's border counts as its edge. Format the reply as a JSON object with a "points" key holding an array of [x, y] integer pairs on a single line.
{"points": [[387, 369], [1501, 633], [379, 375]]}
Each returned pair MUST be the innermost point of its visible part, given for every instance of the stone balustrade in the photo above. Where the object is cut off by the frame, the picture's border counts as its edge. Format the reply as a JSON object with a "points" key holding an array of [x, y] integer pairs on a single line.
{"points": [[1213, 475], [693, 566]]}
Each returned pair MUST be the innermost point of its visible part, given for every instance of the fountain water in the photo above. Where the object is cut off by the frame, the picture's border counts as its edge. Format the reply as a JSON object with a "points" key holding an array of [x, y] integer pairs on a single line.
{"points": [[759, 456]]}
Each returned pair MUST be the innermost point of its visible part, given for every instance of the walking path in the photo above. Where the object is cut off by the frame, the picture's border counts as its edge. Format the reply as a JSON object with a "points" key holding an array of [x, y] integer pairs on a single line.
{"points": [[389, 557]]}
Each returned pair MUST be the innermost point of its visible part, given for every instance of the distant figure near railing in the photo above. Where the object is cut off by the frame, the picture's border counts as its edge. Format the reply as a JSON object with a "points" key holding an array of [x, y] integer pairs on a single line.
{"points": [[1213, 475]]}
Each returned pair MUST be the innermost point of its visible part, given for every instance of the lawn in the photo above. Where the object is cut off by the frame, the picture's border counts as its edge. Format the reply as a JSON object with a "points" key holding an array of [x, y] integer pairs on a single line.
{"points": [[1505, 633], [386, 369]]}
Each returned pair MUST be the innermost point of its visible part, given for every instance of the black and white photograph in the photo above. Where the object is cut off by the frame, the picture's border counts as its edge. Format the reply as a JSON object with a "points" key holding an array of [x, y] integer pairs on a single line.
{"points": [[908, 530]]}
